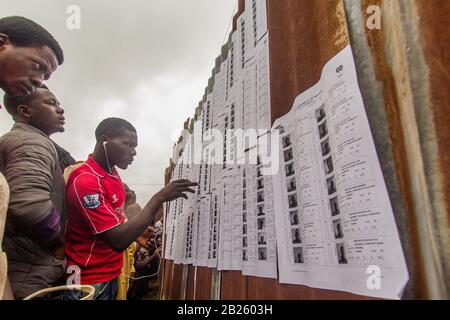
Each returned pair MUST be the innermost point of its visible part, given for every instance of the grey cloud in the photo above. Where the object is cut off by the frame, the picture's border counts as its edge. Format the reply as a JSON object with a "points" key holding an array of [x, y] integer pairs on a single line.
{"points": [[147, 61]]}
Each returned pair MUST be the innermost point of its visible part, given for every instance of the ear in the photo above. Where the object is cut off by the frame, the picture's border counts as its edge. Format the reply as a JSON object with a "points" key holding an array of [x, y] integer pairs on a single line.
{"points": [[103, 139], [24, 111], [4, 41]]}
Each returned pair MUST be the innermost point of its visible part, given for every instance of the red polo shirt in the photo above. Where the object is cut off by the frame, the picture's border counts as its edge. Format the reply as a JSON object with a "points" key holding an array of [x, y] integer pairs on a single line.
{"points": [[95, 204]]}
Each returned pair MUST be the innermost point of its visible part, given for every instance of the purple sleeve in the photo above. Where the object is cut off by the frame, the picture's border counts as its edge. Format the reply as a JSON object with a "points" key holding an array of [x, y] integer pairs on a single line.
{"points": [[49, 228]]}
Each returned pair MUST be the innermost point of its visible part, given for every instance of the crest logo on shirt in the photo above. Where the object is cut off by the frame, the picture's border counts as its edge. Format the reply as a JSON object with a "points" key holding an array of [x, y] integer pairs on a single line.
{"points": [[91, 201], [115, 199]]}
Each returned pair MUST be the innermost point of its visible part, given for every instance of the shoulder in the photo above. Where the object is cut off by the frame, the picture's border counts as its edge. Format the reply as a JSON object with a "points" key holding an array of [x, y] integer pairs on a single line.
{"points": [[19, 140], [83, 186], [71, 169], [82, 178]]}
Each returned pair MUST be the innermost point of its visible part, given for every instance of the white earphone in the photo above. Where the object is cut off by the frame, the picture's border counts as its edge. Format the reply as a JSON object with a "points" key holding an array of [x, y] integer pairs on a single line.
{"points": [[106, 155]]}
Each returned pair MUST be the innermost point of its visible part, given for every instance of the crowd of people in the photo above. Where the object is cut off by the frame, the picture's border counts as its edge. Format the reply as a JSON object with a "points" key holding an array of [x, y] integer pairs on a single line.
{"points": [[68, 222]]}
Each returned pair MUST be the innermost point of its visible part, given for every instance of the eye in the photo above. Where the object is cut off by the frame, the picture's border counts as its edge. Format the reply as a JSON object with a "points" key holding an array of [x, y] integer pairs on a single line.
{"points": [[38, 66]]}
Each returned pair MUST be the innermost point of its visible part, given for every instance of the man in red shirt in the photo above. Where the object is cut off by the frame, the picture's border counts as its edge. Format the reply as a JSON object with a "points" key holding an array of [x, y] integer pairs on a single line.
{"points": [[97, 233]]}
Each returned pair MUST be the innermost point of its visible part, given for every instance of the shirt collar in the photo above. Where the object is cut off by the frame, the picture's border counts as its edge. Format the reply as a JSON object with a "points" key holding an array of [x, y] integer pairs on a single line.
{"points": [[28, 128], [98, 170]]}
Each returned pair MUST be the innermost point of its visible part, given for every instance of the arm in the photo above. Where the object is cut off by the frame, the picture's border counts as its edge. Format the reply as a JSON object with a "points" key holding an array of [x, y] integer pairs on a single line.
{"points": [[156, 254], [120, 237], [29, 171], [141, 264], [48, 234]]}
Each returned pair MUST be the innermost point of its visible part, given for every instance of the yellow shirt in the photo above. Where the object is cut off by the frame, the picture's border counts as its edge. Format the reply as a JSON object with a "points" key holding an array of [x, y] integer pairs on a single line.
{"points": [[127, 270]]}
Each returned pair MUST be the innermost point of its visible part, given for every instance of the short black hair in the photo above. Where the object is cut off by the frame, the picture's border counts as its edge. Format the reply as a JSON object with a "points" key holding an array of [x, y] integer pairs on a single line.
{"points": [[113, 127], [12, 102], [23, 32]]}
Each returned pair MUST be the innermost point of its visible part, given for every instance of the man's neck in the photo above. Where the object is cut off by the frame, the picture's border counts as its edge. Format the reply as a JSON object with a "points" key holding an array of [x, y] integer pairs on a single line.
{"points": [[100, 158]]}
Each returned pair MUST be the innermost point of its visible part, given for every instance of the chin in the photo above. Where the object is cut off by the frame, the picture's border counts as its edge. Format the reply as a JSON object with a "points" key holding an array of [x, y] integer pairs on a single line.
{"points": [[123, 166], [10, 91], [58, 130]]}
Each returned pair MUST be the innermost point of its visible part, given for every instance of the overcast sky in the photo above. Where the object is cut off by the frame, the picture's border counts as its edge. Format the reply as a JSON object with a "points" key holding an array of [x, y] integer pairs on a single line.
{"points": [[147, 61]]}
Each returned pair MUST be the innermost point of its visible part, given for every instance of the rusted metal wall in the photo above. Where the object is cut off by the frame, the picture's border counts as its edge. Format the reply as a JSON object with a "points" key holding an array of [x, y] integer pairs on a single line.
{"points": [[404, 76]]}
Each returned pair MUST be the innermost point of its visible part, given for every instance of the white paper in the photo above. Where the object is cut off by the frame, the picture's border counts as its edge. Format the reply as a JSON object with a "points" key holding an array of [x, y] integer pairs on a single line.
{"points": [[249, 95], [263, 110], [261, 18], [231, 220], [202, 245], [320, 244], [214, 221], [225, 243], [259, 254], [189, 208], [249, 236]]}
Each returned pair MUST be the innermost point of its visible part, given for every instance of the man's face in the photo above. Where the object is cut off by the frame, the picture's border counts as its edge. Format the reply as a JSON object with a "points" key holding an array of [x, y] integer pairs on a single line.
{"points": [[45, 112], [23, 69], [122, 149]]}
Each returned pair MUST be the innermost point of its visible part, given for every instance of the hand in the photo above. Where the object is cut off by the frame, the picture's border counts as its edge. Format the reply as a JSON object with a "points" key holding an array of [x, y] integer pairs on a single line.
{"points": [[156, 254], [59, 253], [176, 189], [57, 246], [145, 238]]}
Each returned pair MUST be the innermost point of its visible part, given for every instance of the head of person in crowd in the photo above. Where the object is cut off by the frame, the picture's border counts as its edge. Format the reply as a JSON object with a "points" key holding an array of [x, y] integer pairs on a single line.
{"points": [[130, 195], [41, 109], [131, 207], [116, 144], [28, 55]]}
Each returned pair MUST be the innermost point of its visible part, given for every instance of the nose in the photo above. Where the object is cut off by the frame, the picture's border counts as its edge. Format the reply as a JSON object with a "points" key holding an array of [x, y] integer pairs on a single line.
{"points": [[133, 152], [60, 110], [37, 80]]}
